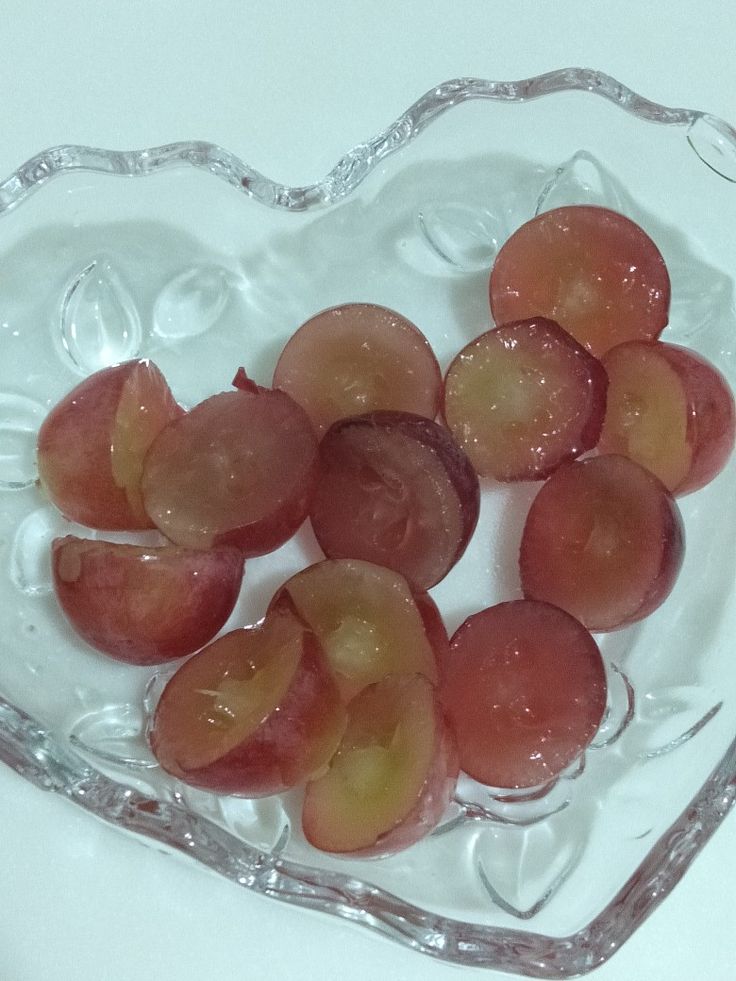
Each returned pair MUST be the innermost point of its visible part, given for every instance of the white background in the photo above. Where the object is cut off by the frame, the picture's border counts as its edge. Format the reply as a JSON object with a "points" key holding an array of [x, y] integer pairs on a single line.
{"points": [[290, 85]]}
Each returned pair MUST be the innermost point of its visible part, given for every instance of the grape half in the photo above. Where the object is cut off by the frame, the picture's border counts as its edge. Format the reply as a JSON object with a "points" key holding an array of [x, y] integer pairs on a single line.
{"points": [[590, 269], [524, 398], [396, 490], [357, 358], [603, 540], [145, 605], [525, 690], [239, 469]]}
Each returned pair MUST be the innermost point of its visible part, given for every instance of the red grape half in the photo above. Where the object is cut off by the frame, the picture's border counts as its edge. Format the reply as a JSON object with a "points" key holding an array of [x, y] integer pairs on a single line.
{"points": [[525, 689], [145, 605], [396, 490], [393, 775], [603, 540], [524, 398], [671, 411], [590, 269], [92, 444], [366, 619], [239, 469], [357, 358], [254, 713]]}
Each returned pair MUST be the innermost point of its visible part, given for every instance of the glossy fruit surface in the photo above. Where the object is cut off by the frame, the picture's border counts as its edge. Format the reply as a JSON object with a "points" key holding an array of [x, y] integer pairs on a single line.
{"points": [[92, 444], [239, 469], [525, 690], [254, 713], [523, 398], [357, 358], [590, 269], [366, 620], [396, 490], [603, 540], [392, 777], [671, 411], [145, 605]]}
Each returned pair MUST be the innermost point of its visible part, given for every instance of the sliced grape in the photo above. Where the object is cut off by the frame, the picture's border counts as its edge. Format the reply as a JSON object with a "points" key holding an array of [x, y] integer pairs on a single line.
{"points": [[395, 489], [671, 411], [357, 358], [145, 605], [254, 713], [366, 620], [392, 776], [590, 269], [239, 469], [603, 540], [92, 444], [524, 687], [524, 398]]}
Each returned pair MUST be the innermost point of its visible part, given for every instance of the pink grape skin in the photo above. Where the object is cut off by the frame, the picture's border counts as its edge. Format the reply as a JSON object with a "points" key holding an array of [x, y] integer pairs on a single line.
{"points": [[92, 443], [604, 540], [524, 686], [145, 605]]}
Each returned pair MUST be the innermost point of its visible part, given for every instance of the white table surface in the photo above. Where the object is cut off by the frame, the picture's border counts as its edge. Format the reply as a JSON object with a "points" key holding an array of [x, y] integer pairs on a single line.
{"points": [[290, 85]]}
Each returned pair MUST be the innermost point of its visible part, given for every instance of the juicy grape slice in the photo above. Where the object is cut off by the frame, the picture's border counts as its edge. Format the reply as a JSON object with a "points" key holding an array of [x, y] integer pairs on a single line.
{"points": [[396, 490], [523, 398], [392, 777], [524, 687], [593, 271], [366, 620], [254, 713], [603, 540], [239, 469], [145, 605], [358, 358], [671, 411], [92, 444]]}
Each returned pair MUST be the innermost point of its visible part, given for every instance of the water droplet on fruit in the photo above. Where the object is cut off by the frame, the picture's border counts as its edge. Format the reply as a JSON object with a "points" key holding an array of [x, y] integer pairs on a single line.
{"points": [[464, 236], [99, 321], [192, 302], [582, 180], [20, 418], [714, 141]]}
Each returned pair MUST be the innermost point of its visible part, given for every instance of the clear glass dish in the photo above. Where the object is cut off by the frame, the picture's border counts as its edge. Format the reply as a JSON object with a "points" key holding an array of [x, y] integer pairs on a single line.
{"points": [[203, 275]]}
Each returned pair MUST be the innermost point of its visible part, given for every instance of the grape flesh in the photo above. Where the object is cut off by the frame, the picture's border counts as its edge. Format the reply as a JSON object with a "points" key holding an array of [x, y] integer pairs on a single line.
{"points": [[523, 398]]}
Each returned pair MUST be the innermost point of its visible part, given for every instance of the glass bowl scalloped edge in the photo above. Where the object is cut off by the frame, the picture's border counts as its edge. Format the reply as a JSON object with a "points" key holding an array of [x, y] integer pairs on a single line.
{"points": [[41, 758]]}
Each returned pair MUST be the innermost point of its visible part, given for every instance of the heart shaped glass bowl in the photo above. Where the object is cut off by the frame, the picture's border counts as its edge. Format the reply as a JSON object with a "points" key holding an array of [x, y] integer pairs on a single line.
{"points": [[206, 265]]}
